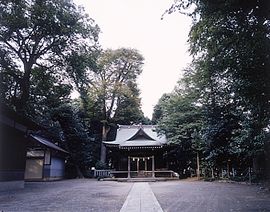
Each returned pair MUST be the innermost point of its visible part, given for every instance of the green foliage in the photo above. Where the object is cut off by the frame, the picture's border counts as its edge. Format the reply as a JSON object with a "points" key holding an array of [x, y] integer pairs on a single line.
{"points": [[78, 142], [180, 119], [129, 110], [106, 81], [101, 165], [117, 72], [37, 35], [229, 42], [44, 48], [158, 110], [47, 49]]}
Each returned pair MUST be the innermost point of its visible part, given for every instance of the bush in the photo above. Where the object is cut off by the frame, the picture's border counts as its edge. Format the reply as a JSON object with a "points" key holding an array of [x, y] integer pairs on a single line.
{"points": [[101, 165]]}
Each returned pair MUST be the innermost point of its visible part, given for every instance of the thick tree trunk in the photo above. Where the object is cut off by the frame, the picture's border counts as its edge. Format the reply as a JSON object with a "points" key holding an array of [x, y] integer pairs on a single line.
{"points": [[79, 173], [21, 102], [198, 166], [104, 138], [103, 154]]}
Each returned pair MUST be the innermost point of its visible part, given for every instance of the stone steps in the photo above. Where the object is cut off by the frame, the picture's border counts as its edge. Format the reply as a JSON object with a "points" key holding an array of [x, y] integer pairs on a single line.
{"points": [[145, 179]]}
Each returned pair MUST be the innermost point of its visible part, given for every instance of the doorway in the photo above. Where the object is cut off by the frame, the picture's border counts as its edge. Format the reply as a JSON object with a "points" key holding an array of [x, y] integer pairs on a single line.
{"points": [[142, 166]]}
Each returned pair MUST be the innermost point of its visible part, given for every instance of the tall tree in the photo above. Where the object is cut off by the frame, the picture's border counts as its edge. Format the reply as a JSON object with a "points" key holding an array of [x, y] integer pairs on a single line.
{"points": [[128, 109], [181, 121], [158, 108], [117, 69], [37, 34], [230, 42]]}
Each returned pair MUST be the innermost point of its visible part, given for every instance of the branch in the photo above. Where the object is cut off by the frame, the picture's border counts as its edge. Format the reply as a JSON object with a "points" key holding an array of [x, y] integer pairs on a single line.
{"points": [[13, 49], [44, 66]]}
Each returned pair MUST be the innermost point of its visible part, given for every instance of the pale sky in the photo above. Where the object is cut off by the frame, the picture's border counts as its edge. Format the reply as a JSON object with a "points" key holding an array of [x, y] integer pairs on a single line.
{"points": [[163, 43]]}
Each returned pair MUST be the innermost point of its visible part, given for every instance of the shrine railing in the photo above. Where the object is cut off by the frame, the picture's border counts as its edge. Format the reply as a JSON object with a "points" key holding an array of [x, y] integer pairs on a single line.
{"points": [[102, 173], [124, 174], [157, 173]]}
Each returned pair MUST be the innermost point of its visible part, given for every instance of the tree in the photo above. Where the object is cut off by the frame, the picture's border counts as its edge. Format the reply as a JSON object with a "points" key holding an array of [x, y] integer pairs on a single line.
{"points": [[80, 66], [158, 110], [129, 110], [229, 41], [37, 35], [78, 141], [181, 121], [117, 70]]}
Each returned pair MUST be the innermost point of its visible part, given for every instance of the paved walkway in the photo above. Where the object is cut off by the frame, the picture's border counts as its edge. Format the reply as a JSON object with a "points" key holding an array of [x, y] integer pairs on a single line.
{"points": [[80, 195], [141, 199]]}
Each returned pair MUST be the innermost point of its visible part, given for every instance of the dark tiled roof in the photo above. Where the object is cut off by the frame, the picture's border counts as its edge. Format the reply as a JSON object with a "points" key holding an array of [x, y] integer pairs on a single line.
{"points": [[47, 143], [137, 135]]}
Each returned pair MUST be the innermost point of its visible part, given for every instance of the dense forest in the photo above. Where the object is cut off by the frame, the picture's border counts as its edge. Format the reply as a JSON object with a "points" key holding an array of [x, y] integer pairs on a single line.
{"points": [[217, 117], [218, 114]]}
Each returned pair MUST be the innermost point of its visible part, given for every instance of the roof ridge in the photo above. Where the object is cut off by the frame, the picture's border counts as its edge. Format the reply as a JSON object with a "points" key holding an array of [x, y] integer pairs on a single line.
{"points": [[135, 126]]}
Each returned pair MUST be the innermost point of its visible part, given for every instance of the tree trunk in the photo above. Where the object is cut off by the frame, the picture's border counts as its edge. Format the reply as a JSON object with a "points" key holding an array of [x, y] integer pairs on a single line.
{"points": [[79, 173], [104, 138], [21, 102], [212, 173]]}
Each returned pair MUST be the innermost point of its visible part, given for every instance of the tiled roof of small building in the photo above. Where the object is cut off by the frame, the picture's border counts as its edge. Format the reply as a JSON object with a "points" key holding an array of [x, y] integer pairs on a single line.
{"points": [[47, 143], [137, 135]]}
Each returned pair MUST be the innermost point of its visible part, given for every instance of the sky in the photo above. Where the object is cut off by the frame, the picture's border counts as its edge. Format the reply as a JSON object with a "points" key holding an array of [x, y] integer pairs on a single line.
{"points": [[163, 43]]}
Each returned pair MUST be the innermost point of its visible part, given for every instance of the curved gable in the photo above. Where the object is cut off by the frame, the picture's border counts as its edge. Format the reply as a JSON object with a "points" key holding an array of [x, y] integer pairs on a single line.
{"points": [[141, 135]]}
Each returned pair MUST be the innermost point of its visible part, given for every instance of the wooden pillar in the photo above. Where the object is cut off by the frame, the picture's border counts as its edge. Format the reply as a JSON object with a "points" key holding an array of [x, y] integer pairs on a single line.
{"points": [[145, 164], [128, 166], [153, 166], [138, 165]]}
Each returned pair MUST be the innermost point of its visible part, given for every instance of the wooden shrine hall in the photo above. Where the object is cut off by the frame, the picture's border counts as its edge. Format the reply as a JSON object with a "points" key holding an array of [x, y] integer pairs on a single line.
{"points": [[138, 151]]}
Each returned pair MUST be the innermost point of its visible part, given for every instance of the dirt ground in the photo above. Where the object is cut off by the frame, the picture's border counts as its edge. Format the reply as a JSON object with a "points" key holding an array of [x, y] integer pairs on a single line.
{"points": [[173, 196]]}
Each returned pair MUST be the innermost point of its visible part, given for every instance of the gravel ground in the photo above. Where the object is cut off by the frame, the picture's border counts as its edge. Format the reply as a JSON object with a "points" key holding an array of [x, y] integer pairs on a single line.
{"points": [[202, 196], [173, 196], [67, 195]]}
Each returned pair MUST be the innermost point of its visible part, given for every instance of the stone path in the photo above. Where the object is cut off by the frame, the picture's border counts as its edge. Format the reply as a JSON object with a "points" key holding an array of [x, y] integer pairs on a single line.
{"points": [[81, 195], [141, 199]]}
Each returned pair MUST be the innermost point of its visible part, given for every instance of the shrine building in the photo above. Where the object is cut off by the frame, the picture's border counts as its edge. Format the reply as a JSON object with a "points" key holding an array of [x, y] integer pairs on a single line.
{"points": [[138, 151]]}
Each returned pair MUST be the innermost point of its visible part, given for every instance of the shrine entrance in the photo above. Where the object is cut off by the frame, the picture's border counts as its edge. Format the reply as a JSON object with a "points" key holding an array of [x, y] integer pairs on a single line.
{"points": [[141, 163], [138, 151], [141, 166]]}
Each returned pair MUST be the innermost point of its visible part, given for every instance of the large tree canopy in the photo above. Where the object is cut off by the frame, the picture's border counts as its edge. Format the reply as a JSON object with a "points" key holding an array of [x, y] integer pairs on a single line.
{"points": [[48, 48], [230, 45], [37, 34], [113, 82], [117, 70]]}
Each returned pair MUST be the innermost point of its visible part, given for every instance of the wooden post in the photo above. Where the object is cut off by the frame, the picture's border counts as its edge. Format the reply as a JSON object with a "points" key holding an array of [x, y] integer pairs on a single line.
{"points": [[228, 169], [212, 171], [138, 165], [153, 166], [128, 166], [249, 175], [198, 166], [145, 164]]}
